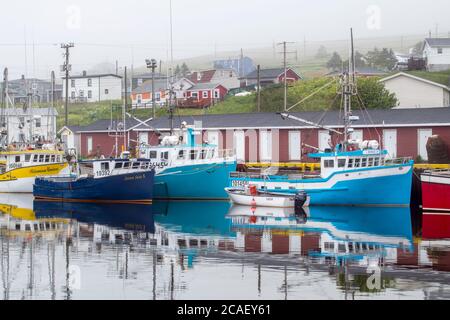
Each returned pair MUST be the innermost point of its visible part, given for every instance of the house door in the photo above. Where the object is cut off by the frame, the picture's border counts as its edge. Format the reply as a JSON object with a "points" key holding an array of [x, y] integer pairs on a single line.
{"points": [[266, 145], [239, 145], [424, 135], [213, 138], [324, 140], [390, 142], [143, 138], [357, 135], [295, 146]]}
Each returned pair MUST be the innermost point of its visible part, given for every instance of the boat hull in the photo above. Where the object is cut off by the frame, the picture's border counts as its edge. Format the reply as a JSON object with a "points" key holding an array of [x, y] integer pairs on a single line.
{"points": [[436, 192], [127, 188], [262, 200], [196, 182], [21, 180], [390, 186]]}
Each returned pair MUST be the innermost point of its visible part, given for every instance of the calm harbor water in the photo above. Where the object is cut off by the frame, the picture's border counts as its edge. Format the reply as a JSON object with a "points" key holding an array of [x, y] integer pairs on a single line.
{"points": [[213, 250]]}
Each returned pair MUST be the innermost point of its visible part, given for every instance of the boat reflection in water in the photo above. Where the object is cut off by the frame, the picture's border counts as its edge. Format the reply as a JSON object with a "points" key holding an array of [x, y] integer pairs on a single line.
{"points": [[213, 250]]}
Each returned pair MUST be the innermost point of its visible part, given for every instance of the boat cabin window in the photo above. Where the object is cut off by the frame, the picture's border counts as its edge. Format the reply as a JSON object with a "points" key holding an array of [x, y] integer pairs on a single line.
{"points": [[136, 165], [370, 162], [118, 165], [27, 157], [17, 159], [363, 162], [350, 162], [145, 165], [153, 154], [194, 154], [165, 155], [181, 155], [357, 163], [342, 163], [35, 158], [47, 158], [204, 154], [105, 165], [126, 165], [41, 158], [329, 163], [376, 162], [53, 158], [212, 153]]}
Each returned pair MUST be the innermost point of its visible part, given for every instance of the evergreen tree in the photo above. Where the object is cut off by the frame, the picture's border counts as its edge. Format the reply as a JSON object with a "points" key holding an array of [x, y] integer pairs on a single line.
{"points": [[335, 63], [184, 69]]}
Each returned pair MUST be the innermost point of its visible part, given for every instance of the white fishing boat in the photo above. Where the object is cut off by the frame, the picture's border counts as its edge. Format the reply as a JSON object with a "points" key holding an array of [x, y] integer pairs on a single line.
{"points": [[255, 198]]}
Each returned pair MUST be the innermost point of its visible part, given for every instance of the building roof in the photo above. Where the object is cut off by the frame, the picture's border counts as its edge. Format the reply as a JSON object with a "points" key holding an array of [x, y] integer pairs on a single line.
{"points": [[146, 87], [268, 73], [380, 118], [34, 111], [439, 79], [205, 86], [85, 76], [108, 125], [438, 42]]}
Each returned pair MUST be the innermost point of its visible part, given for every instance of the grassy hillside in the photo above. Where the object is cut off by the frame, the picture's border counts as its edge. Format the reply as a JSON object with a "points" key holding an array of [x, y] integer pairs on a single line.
{"points": [[373, 94]]}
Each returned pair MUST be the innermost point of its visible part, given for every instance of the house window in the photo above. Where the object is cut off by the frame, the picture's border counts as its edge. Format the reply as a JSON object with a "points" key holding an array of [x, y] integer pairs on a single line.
{"points": [[194, 94], [205, 94], [72, 83], [22, 121], [216, 94], [440, 50], [89, 82], [158, 96], [73, 95], [90, 94], [106, 91], [38, 122], [81, 93]]}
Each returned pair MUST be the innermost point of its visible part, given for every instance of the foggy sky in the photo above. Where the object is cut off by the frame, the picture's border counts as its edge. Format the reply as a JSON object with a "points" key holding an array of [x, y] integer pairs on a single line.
{"points": [[131, 30]]}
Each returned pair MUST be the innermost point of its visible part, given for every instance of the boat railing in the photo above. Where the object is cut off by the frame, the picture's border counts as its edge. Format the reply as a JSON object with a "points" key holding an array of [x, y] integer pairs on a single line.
{"points": [[225, 153], [396, 161]]}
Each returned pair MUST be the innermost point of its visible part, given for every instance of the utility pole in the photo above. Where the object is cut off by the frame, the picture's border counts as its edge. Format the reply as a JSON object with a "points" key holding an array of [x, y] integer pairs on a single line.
{"points": [[152, 64], [259, 89], [285, 53], [67, 68], [52, 134]]}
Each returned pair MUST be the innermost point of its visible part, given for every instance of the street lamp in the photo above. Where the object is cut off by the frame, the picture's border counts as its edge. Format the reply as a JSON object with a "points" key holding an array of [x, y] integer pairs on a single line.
{"points": [[152, 64]]}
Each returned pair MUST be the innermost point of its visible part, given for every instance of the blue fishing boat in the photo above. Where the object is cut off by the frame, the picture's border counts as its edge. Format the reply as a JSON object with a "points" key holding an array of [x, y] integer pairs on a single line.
{"points": [[353, 172], [189, 171], [101, 181]]}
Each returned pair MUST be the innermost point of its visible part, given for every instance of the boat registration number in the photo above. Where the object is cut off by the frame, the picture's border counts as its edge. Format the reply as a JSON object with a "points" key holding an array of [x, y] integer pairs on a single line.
{"points": [[103, 173], [239, 183]]}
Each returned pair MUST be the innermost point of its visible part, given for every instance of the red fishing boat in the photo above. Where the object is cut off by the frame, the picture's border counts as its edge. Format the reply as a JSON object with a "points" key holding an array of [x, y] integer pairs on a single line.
{"points": [[436, 191]]}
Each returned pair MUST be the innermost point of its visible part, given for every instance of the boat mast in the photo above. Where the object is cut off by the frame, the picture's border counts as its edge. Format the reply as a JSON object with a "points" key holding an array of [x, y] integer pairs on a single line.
{"points": [[349, 89]]}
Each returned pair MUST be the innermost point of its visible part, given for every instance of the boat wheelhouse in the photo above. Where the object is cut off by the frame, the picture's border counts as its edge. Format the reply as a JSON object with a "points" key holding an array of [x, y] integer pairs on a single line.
{"points": [[19, 168], [102, 181], [436, 191], [189, 170]]}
